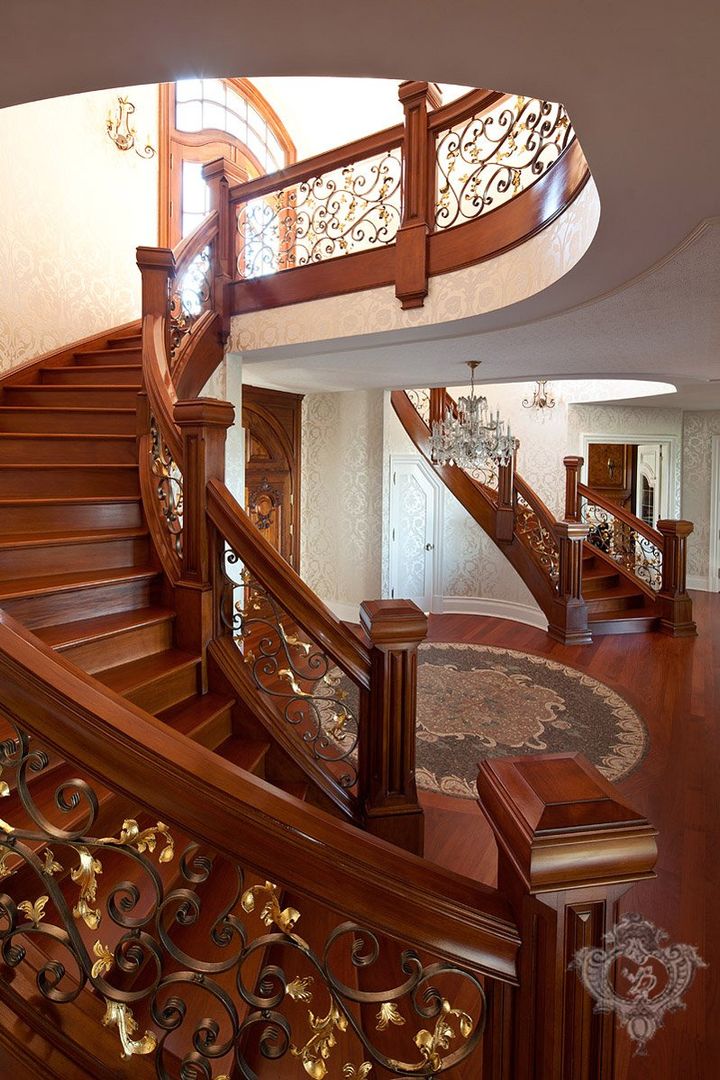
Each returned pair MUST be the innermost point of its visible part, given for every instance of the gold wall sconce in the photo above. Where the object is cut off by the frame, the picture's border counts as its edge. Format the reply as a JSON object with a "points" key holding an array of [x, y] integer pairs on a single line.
{"points": [[541, 400], [121, 131]]}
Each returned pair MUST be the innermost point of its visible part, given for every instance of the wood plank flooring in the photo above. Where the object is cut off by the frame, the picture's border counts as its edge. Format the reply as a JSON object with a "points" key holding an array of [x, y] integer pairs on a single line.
{"points": [[675, 685]]}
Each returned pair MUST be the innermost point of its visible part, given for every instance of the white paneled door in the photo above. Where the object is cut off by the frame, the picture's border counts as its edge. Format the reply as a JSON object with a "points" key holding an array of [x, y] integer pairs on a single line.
{"points": [[413, 523]]}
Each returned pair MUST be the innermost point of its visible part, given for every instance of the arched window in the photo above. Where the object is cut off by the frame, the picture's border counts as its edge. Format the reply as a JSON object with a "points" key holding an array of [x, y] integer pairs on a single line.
{"points": [[204, 119]]}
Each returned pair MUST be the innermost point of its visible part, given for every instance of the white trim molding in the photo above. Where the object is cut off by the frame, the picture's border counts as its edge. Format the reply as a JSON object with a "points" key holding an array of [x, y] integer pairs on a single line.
{"points": [[700, 582], [494, 609], [673, 465]]}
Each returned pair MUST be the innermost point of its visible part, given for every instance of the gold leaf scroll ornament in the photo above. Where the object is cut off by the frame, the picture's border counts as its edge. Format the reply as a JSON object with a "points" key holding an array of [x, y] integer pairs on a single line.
{"points": [[118, 1015]]}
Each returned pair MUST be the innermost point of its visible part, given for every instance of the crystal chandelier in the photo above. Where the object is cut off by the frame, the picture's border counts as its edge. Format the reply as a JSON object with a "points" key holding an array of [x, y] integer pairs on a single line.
{"points": [[472, 436]]}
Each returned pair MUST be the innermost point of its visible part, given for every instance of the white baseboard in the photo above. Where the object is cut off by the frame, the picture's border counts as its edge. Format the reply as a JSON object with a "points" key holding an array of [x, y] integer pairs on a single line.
{"points": [[699, 581], [497, 609]]}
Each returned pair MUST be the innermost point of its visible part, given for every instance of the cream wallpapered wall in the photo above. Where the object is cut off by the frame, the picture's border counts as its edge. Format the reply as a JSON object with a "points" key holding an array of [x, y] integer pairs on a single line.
{"points": [[504, 280], [342, 468], [73, 208], [698, 430]]}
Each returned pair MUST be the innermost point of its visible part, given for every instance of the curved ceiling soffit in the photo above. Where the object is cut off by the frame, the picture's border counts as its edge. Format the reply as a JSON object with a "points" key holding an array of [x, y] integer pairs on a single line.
{"points": [[526, 269], [649, 203]]}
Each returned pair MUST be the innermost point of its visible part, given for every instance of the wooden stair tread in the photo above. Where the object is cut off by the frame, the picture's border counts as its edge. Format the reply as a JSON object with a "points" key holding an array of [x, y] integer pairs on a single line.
{"points": [[63, 635], [81, 536], [95, 367], [72, 388], [248, 754], [137, 673], [623, 589], [67, 500], [118, 351], [189, 716], [86, 579], [73, 409], [621, 613], [13, 436]]}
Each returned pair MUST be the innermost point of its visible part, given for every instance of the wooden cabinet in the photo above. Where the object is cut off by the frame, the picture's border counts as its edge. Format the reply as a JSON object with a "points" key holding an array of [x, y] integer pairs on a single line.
{"points": [[272, 422], [611, 472]]}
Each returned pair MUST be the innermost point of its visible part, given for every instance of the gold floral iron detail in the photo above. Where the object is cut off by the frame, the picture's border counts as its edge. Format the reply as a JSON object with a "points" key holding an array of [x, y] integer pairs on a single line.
{"points": [[388, 1014], [34, 913], [430, 1043], [285, 920], [86, 877], [319, 1046], [120, 1016], [105, 960], [298, 989]]}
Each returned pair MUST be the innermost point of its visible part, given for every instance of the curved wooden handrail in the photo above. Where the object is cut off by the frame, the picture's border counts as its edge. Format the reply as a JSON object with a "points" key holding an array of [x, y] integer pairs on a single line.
{"points": [[623, 515], [329, 160], [246, 819], [159, 382], [470, 104], [316, 619], [544, 513]]}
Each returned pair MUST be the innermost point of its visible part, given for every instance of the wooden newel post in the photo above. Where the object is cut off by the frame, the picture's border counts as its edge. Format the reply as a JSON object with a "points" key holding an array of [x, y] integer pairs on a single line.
{"points": [[568, 620], [386, 758], [568, 848], [220, 175], [203, 423], [157, 269], [676, 618], [573, 465], [411, 278]]}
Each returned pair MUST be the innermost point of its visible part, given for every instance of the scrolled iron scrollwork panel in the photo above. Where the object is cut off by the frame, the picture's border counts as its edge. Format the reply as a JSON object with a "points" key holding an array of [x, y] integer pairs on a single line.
{"points": [[199, 964], [628, 547], [308, 689], [420, 400], [351, 209], [191, 294], [489, 159], [169, 485], [540, 541]]}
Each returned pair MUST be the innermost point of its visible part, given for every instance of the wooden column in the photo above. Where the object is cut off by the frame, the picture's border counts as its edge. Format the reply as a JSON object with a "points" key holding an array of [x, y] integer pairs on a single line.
{"points": [[386, 762], [568, 619], [568, 848], [220, 175], [505, 517], [676, 606], [573, 465], [203, 423], [157, 269], [437, 405], [411, 279]]}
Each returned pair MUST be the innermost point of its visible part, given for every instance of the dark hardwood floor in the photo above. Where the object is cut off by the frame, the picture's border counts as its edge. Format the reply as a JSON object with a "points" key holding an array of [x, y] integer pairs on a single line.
{"points": [[674, 683]]}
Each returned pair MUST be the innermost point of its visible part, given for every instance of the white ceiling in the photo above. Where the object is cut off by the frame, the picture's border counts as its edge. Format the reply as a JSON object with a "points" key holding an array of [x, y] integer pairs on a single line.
{"points": [[639, 81]]}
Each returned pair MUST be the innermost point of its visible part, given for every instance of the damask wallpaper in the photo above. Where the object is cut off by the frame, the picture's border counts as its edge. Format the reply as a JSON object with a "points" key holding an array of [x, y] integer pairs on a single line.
{"points": [[73, 208], [342, 468], [521, 272], [698, 430]]}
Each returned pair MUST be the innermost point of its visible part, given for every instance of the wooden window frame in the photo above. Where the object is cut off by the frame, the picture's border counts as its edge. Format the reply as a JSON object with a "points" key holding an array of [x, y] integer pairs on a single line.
{"points": [[172, 144]]}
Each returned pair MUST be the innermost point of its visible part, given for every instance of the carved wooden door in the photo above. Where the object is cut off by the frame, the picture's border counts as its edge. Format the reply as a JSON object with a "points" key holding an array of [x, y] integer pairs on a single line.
{"points": [[272, 467]]}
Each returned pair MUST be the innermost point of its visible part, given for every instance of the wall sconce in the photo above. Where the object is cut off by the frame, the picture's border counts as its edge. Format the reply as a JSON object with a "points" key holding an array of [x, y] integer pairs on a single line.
{"points": [[122, 134], [541, 399]]}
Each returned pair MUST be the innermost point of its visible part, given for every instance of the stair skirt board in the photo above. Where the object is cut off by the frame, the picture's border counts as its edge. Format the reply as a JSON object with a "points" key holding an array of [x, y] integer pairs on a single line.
{"points": [[529, 614]]}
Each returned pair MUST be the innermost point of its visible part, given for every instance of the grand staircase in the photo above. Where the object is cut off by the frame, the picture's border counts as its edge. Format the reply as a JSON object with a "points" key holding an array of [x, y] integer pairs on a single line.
{"points": [[209, 851]]}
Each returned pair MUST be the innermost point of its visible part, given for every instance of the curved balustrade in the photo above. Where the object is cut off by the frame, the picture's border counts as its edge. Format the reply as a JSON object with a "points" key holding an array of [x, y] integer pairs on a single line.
{"points": [[628, 540], [479, 175], [175, 958], [534, 527]]}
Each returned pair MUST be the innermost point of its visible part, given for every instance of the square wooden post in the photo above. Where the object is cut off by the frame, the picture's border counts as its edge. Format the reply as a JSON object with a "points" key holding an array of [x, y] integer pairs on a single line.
{"points": [[569, 846], [386, 759], [203, 423], [573, 465], [676, 606], [411, 279], [568, 620]]}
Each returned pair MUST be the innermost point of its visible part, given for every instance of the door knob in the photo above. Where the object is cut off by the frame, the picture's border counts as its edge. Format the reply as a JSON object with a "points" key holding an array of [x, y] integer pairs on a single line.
{"points": [[429, 547]]}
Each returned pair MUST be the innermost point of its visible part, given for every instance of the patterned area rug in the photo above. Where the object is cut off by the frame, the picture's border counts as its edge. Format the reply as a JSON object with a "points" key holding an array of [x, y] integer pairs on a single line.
{"points": [[478, 701]]}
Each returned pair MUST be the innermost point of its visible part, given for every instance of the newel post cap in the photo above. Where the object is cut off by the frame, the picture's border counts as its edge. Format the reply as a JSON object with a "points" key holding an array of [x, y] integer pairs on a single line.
{"points": [[207, 411], [154, 258], [571, 530], [393, 622], [573, 461], [675, 527], [562, 825]]}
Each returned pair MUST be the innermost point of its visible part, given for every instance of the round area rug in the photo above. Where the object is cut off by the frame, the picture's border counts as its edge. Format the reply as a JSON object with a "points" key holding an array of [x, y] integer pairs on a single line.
{"points": [[478, 701]]}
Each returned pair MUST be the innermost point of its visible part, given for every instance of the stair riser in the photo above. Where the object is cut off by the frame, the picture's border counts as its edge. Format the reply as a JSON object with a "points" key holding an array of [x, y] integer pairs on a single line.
{"points": [[126, 376], [133, 361], [613, 603], [167, 690], [214, 731], [68, 558], [597, 586], [52, 608], [123, 343], [131, 350], [624, 626], [43, 484], [49, 518], [42, 451], [67, 423], [130, 645], [72, 396]]}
